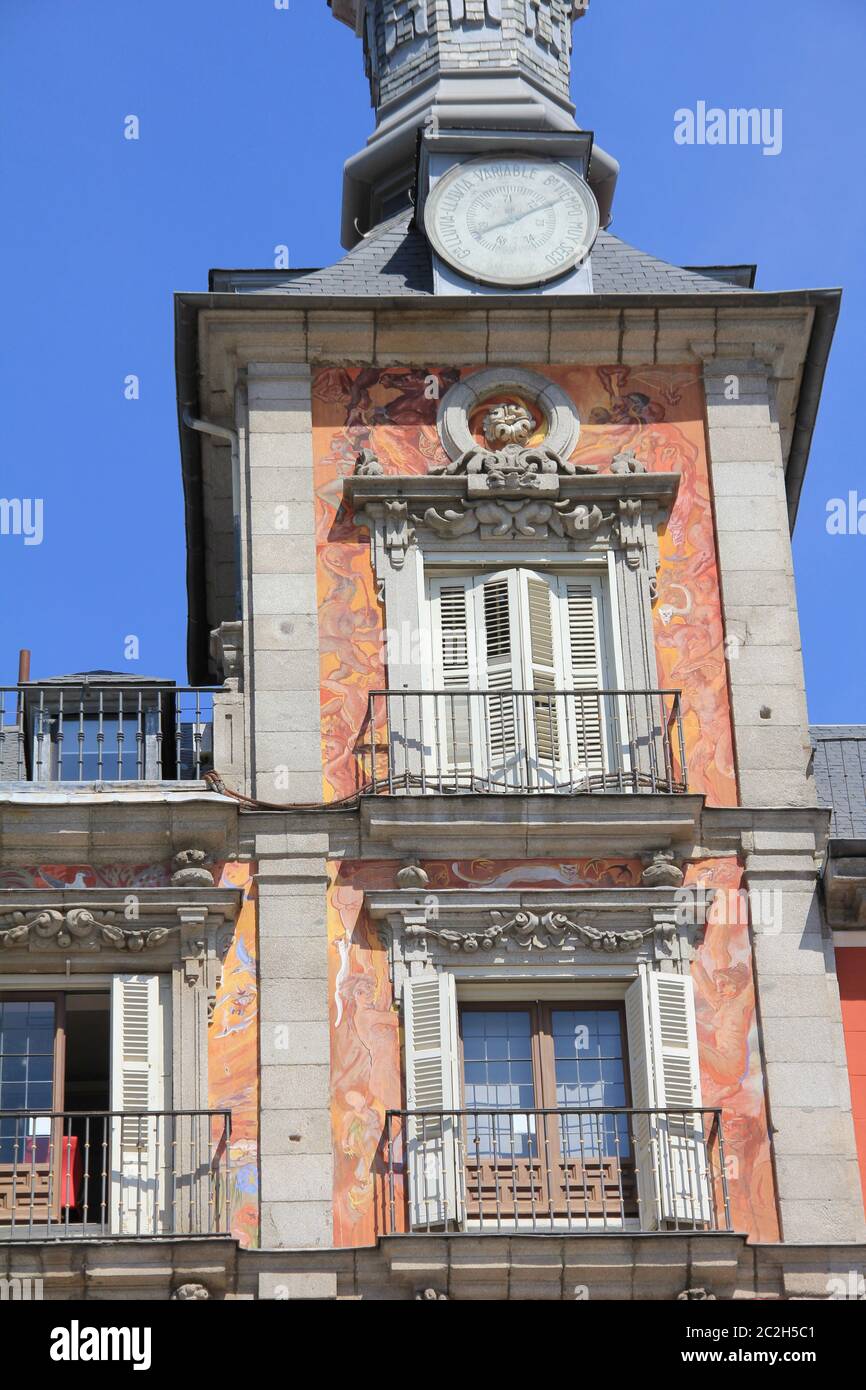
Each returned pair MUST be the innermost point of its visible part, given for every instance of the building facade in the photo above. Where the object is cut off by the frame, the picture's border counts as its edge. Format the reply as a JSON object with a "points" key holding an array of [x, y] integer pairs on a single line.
{"points": [[476, 884]]}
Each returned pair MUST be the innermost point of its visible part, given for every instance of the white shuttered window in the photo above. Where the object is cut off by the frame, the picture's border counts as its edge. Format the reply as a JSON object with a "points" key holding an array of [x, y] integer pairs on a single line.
{"points": [[520, 656]]}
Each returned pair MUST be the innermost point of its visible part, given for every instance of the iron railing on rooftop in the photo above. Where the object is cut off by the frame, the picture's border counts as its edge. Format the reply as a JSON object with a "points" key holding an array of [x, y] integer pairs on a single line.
{"points": [[577, 1169], [84, 1174], [105, 733], [416, 742]]}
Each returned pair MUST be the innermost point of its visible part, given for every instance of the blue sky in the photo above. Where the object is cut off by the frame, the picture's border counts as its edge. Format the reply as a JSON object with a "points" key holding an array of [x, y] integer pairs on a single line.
{"points": [[247, 113]]}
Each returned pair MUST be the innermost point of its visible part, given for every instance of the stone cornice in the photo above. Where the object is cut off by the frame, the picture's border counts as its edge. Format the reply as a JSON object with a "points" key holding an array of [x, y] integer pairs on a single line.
{"points": [[422, 490], [145, 826], [532, 826]]}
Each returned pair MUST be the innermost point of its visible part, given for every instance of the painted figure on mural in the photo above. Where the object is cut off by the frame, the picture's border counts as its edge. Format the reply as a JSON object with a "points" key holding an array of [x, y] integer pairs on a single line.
{"points": [[730, 1058]]}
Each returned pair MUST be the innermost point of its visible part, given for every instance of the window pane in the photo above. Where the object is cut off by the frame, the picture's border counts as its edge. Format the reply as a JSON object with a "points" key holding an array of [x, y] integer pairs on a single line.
{"points": [[26, 1054], [590, 1075], [497, 1073]]}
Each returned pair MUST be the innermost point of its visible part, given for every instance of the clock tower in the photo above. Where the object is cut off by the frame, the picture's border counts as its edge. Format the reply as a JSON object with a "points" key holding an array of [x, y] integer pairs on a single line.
{"points": [[474, 125], [489, 541]]}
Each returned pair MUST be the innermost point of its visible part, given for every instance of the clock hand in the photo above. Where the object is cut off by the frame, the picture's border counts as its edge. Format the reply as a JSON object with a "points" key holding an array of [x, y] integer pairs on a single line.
{"points": [[512, 221]]}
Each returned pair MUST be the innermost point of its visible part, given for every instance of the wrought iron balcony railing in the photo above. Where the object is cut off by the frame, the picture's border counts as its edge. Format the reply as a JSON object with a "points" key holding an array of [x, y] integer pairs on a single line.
{"points": [[105, 733], [569, 1169], [500, 741], [79, 1175]]}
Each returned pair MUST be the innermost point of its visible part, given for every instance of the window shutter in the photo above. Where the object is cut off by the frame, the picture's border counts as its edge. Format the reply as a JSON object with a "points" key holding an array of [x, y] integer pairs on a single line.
{"points": [[500, 675], [585, 671], [637, 1017], [432, 1084], [663, 1049], [450, 741], [137, 1084], [684, 1162], [543, 676]]}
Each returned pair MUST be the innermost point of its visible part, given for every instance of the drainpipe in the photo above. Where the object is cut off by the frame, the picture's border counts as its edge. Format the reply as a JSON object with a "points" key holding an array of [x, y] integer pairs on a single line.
{"points": [[223, 432]]}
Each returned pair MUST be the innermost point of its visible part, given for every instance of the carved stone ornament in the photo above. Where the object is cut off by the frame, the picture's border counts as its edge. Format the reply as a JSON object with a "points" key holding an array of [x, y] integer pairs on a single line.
{"points": [[529, 931], [412, 876], [698, 1295], [77, 929], [227, 649], [367, 465], [431, 1296], [495, 931], [508, 494], [662, 871], [627, 462], [191, 869], [508, 464], [504, 520], [560, 420], [190, 1293]]}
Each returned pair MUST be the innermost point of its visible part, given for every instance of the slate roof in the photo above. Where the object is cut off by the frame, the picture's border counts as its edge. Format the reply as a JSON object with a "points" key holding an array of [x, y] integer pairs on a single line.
{"points": [[394, 260], [840, 776]]}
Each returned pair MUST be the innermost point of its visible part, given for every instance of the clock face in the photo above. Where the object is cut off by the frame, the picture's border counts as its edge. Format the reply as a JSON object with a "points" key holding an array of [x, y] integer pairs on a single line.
{"points": [[511, 220]]}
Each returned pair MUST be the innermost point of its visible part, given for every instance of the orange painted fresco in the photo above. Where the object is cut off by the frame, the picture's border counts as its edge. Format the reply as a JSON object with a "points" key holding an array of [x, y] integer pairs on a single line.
{"points": [[657, 412]]}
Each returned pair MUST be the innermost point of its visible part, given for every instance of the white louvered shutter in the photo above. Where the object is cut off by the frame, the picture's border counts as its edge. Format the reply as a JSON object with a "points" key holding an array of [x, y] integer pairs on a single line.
{"points": [[500, 675], [637, 1017], [663, 1048], [585, 673], [137, 1084], [544, 675], [432, 1084], [684, 1162], [448, 740]]}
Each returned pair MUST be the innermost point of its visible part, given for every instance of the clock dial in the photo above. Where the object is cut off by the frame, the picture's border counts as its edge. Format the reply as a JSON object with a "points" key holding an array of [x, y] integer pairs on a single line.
{"points": [[512, 220]]}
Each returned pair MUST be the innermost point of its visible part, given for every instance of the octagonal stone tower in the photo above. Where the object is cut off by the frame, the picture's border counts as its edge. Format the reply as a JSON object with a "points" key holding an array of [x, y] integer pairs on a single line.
{"points": [[476, 64]]}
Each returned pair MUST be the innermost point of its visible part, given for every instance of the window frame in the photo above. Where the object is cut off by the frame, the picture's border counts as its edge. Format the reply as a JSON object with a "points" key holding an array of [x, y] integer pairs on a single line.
{"points": [[541, 1033], [58, 999]]}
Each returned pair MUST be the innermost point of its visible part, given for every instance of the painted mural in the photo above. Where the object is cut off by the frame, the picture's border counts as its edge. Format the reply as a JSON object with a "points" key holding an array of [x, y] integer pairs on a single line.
{"points": [[233, 1055], [233, 1039], [365, 1030], [658, 412], [86, 876], [729, 1046]]}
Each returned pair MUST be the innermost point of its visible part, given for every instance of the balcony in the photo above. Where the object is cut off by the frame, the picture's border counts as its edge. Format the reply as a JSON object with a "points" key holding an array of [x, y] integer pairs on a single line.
{"points": [[562, 1171], [75, 1175], [453, 742], [85, 730]]}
